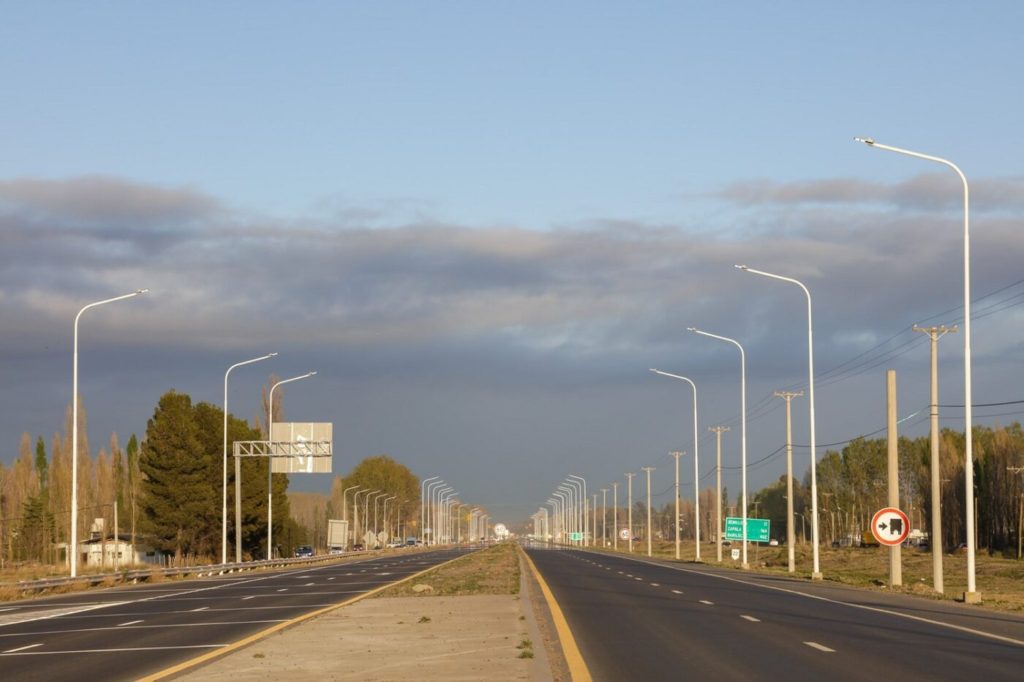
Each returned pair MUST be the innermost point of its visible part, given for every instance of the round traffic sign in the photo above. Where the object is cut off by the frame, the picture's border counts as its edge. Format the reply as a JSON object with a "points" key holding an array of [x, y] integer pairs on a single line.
{"points": [[890, 526]]}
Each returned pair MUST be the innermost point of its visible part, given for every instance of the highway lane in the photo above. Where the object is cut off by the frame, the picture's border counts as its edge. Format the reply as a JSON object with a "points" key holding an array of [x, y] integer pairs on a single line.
{"points": [[126, 633], [638, 620]]}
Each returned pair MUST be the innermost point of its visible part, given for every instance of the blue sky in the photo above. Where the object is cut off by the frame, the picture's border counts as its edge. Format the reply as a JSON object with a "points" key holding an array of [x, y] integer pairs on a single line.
{"points": [[482, 223]]}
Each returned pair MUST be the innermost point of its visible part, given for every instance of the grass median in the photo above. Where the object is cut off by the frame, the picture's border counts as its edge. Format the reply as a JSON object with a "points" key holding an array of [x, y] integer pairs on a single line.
{"points": [[494, 570]]}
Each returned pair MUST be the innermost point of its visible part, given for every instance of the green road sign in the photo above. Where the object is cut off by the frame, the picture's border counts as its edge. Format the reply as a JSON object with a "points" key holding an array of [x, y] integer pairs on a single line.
{"points": [[575, 537], [757, 529]]}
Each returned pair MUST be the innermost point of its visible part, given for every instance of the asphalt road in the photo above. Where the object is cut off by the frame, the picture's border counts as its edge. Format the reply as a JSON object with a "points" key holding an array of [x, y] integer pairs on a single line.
{"points": [[635, 620], [127, 633]]}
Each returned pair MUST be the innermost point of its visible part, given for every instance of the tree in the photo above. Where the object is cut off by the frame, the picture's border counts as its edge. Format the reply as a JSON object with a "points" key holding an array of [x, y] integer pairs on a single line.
{"points": [[176, 491], [385, 474]]}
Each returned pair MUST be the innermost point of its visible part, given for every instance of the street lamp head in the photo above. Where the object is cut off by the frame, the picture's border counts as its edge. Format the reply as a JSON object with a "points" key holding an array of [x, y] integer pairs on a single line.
{"points": [[692, 329], [866, 140], [741, 267], [272, 355], [141, 291]]}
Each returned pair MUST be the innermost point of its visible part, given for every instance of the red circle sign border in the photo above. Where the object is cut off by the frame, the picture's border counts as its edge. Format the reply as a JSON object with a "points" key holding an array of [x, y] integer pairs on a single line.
{"points": [[906, 526]]}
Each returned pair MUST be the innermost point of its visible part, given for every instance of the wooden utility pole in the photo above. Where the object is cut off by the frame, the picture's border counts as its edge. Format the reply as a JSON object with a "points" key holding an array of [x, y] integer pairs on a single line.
{"points": [[790, 524], [935, 537], [718, 487]]}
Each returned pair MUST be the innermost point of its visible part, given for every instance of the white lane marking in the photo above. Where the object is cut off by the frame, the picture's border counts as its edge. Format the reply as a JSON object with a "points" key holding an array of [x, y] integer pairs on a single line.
{"points": [[629, 575], [640, 579], [309, 584], [820, 647], [676, 592], [383, 574], [331, 578], [23, 648], [131, 622], [751, 619], [655, 585], [875, 609], [283, 589], [705, 601], [249, 597], [30, 616], [104, 651]]}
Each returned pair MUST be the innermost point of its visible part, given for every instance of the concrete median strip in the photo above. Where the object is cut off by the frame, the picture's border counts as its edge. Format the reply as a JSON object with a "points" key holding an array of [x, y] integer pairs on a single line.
{"points": [[222, 651]]}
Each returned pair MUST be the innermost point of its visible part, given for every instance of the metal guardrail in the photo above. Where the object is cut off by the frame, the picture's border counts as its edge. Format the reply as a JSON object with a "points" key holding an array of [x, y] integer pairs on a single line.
{"points": [[135, 574]]}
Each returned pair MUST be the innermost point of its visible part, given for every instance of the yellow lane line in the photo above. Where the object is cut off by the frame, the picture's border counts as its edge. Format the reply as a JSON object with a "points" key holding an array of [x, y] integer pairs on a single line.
{"points": [[234, 646], [577, 667]]}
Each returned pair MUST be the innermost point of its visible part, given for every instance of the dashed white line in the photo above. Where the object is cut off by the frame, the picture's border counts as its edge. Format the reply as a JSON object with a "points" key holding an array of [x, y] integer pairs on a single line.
{"points": [[750, 618], [283, 589], [820, 647], [249, 597], [705, 601], [676, 592], [201, 608], [131, 622], [309, 584], [655, 585]]}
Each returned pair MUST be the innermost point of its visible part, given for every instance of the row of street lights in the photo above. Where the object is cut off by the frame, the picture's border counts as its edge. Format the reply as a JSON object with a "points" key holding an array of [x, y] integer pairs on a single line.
{"points": [[971, 595]]}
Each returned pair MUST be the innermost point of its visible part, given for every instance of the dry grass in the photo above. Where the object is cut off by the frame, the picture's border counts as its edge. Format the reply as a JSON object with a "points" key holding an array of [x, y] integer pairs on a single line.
{"points": [[999, 580], [494, 570]]}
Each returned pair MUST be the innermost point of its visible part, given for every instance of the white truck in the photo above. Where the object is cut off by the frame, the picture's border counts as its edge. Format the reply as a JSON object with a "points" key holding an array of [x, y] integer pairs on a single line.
{"points": [[337, 536]]}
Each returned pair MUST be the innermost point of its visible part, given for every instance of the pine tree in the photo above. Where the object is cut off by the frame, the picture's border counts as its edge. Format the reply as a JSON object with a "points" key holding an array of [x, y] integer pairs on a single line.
{"points": [[176, 492]]}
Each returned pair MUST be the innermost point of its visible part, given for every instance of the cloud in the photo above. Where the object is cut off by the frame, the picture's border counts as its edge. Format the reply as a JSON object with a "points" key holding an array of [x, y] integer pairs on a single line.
{"points": [[928, 192]]}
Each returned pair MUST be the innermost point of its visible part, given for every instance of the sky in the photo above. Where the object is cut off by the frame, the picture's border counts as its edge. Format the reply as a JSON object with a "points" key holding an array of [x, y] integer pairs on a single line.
{"points": [[482, 223]]}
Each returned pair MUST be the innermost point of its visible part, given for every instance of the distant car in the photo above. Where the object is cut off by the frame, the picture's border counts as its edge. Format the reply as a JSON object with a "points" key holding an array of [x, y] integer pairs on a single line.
{"points": [[773, 542], [336, 550], [303, 551], [358, 547]]}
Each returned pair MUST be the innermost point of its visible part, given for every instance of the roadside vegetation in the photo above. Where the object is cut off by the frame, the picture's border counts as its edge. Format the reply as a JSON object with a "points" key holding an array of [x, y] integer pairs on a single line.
{"points": [[494, 570]]}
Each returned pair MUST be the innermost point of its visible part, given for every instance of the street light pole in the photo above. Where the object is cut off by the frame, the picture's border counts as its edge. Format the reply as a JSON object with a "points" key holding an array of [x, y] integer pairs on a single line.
{"points": [[816, 570], [270, 459], [649, 529], [423, 507], [73, 553], [585, 520], [971, 596], [677, 455], [224, 467], [604, 517], [696, 468], [743, 427], [629, 510], [615, 513]]}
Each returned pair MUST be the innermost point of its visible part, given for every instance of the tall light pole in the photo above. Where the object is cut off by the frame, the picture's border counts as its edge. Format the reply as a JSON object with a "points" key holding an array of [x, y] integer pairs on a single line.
{"points": [[594, 507], [384, 512], [224, 467], [615, 512], [428, 507], [743, 426], [563, 498], [676, 455], [696, 468], [585, 522], [604, 517], [629, 509], [934, 334], [344, 501], [816, 571], [971, 595], [423, 507], [270, 459], [649, 528], [73, 557], [580, 492], [572, 504]]}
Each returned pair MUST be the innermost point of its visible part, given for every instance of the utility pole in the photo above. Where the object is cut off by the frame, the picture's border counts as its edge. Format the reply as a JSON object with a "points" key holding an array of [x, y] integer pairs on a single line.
{"points": [[1020, 517], [895, 560], [934, 334], [649, 528], [595, 520], [615, 512], [718, 487], [629, 477], [790, 524], [677, 455], [604, 516]]}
